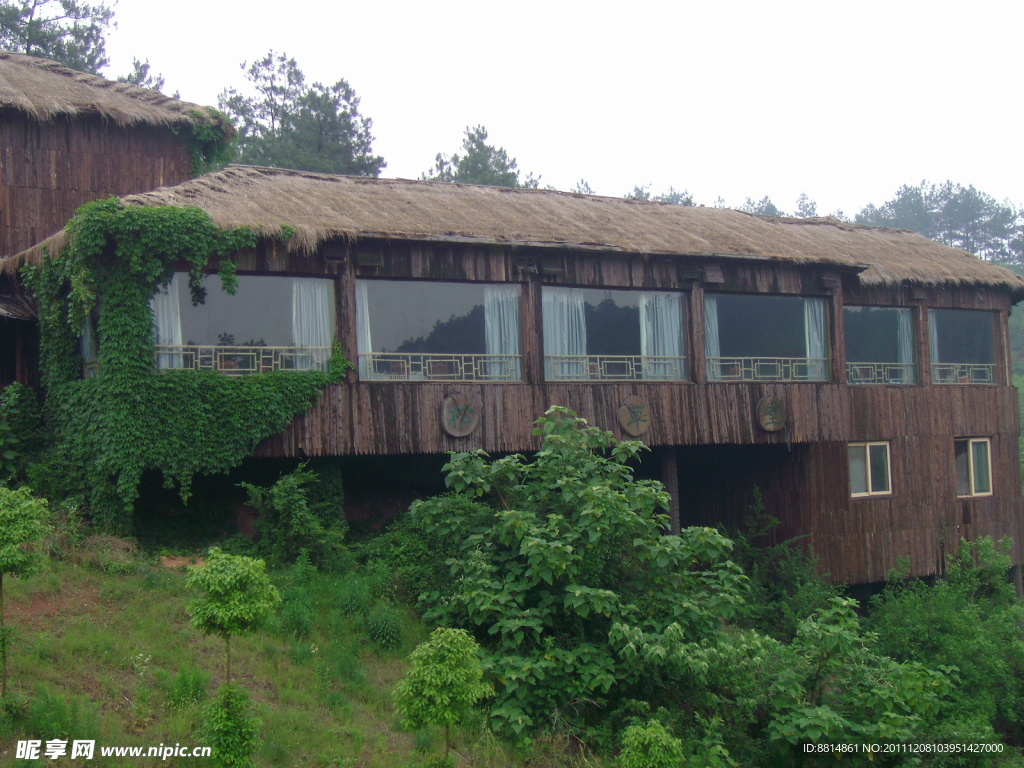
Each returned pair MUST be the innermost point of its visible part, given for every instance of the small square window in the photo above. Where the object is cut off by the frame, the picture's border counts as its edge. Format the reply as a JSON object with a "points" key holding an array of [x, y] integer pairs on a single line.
{"points": [[973, 466], [869, 469]]}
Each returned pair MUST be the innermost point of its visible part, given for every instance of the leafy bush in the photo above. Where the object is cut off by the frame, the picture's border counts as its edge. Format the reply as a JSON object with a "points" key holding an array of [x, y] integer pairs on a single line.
{"points": [[230, 728], [970, 620], [289, 524], [354, 597], [298, 614], [443, 683], [384, 626], [23, 527], [416, 558], [21, 433], [235, 597], [187, 687], [785, 586], [53, 716], [563, 570], [650, 745]]}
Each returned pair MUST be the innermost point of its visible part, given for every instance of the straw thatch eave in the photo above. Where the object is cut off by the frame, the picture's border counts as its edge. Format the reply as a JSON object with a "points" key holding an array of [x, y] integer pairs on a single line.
{"points": [[45, 90], [321, 207]]}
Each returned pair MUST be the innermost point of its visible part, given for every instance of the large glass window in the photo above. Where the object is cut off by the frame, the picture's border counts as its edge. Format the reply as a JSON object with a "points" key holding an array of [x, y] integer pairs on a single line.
{"points": [[270, 323], [765, 338], [869, 469], [973, 467], [611, 335], [962, 345], [420, 330], [879, 345]]}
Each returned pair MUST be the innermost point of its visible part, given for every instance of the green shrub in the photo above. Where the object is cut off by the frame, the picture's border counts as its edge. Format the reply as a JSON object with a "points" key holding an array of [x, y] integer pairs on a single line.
{"points": [[444, 682], [298, 613], [970, 620], [230, 728], [53, 716], [235, 597], [785, 585], [187, 687], [384, 626], [290, 524], [415, 558], [354, 597], [650, 746], [343, 662], [563, 569], [23, 527], [21, 433]]}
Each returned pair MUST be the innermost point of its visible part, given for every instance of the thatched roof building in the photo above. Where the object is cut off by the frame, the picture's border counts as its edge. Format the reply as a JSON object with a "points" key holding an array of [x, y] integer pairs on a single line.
{"points": [[322, 207], [45, 89]]}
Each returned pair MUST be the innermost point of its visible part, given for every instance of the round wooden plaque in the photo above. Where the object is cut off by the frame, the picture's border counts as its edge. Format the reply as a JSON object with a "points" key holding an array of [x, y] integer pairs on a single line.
{"points": [[635, 416], [771, 414], [459, 415]]}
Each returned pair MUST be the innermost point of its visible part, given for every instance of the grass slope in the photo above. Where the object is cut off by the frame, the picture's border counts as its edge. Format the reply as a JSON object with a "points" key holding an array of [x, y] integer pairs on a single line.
{"points": [[108, 653]]}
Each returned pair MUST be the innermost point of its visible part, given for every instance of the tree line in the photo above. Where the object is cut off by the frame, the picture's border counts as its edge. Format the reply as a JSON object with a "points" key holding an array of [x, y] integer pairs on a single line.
{"points": [[284, 121]]}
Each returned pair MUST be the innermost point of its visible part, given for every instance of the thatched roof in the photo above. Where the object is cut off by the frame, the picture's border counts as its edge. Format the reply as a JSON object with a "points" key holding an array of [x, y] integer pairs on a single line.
{"points": [[321, 207], [45, 89]]}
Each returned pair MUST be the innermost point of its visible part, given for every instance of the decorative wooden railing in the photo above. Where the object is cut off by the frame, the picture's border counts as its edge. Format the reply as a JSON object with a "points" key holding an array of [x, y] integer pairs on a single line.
{"points": [[767, 369], [963, 373], [237, 360], [881, 373], [614, 368], [404, 366]]}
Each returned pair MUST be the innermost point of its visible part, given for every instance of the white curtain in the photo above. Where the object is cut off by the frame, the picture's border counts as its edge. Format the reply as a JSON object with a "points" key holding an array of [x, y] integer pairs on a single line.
{"points": [[905, 332], [167, 321], [565, 332], [312, 320], [363, 329], [814, 338], [712, 342], [661, 334], [501, 330]]}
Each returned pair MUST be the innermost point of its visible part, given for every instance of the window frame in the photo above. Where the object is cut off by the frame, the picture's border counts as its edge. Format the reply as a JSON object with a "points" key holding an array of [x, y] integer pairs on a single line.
{"points": [[436, 366], [867, 445], [971, 474], [854, 366], [595, 366], [731, 368]]}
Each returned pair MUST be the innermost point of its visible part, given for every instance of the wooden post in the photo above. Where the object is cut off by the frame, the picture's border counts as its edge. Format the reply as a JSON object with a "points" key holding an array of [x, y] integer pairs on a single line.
{"points": [[670, 478], [698, 360]]}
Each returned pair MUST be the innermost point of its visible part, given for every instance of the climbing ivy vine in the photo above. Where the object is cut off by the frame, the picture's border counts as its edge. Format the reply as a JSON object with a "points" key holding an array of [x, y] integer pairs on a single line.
{"points": [[211, 140], [109, 429]]}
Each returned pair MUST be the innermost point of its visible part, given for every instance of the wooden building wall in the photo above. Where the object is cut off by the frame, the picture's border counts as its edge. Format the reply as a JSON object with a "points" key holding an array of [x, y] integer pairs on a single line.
{"points": [[49, 169], [721, 452]]}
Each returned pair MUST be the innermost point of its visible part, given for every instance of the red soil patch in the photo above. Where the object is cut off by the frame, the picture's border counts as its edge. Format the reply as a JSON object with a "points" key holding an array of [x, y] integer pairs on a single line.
{"points": [[34, 611]]}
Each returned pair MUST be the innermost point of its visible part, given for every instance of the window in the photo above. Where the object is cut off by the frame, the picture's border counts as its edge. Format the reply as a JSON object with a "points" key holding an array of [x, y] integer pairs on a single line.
{"points": [[869, 469], [613, 335], [962, 345], [270, 323], [765, 338], [879, 345], [973, 468], [419, 330]]}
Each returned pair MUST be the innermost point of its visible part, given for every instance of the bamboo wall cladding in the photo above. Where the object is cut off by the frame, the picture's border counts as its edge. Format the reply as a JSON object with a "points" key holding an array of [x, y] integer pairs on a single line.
{"points": [[48, 170], [712, 428]]}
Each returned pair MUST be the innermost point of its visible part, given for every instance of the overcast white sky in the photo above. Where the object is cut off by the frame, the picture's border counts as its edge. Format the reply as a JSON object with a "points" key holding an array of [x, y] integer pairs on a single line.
{"points": [[845, 101]]}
